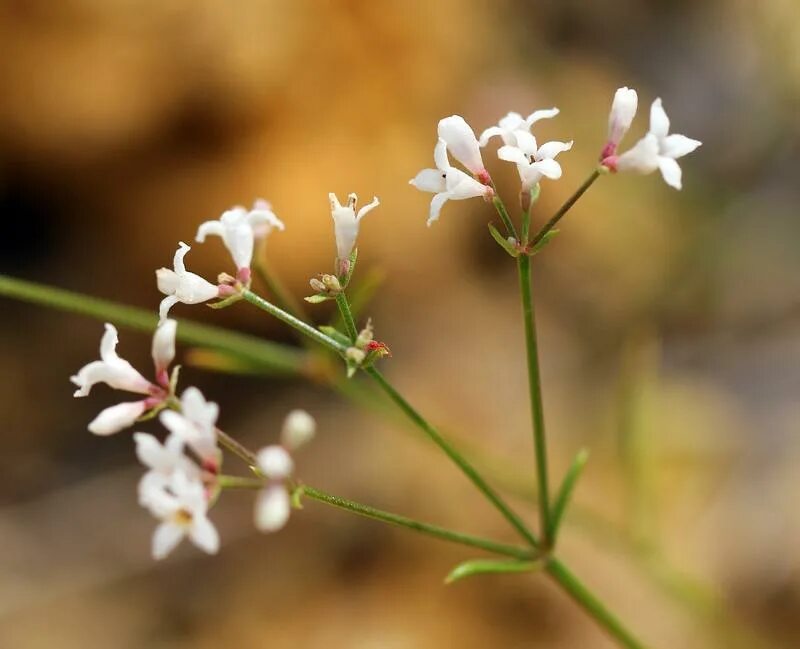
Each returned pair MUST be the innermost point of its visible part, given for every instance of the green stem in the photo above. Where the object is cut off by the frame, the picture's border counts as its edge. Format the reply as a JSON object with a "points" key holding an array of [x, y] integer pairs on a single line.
{"points": [[455, 456], [417, 526], [535, 395], [279, 358], [347, 316], [238, 482], [503, 212], [292, 321], [591, 604], [241, 451], [565, 207]]}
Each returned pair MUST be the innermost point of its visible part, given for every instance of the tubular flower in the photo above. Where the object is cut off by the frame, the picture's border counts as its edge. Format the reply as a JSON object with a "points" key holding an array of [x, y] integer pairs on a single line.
{"points": [[346, 222], [239, 228], [179, 285], [460, 140], [182, 507], [447, 183], [120, 375], [534, 162], [620, 118], [196, 424], [508, 126], [656, 150]]}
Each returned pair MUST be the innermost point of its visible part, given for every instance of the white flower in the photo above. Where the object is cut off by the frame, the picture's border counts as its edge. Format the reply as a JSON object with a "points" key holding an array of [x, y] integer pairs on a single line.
{"points": [[656, 150], [163, 349], [275, 462], [462, 143], [162, 460], [512, 123], [620, 118], [534, 162], [179, 285], [447, 182], [182, 508], [273, 507], [195, 425], [110, 369], [298, 429], [237, 228], [346, 222]]}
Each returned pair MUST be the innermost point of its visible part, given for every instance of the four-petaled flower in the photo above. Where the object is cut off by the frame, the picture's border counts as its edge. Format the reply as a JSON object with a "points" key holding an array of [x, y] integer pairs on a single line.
{"points": [[119, 374], [239, 228], [656, 150], [179, 285], [182, 507], [447, 182], [534, 162], [196, 424], [162, 460], [346, 223], [513, 123]]}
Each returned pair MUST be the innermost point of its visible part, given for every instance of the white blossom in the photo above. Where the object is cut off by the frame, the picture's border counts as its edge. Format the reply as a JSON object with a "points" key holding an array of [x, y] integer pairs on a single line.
{"points": [[534, 162], [620, 118], [179, 285], [460, 140], [656, 150], [298, 429], [447, 182], [508, 126], [239, 228], [346, 222], [195, 424], [182, 507], [275, 462], [273, 507], [162, 460], [110, 369]]}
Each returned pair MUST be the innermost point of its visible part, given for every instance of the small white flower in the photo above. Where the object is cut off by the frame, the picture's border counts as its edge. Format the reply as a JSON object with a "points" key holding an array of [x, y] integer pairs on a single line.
{"points": [[620, 118], [195, 424], [346, 222], [163, 349], [162, 460], [237, 227], [656, 150], [447, 182], [460, 140], [298, 429], [275, 462], [183, 509], [179, 285], [110, 369], [511, 124], [534, 162]]}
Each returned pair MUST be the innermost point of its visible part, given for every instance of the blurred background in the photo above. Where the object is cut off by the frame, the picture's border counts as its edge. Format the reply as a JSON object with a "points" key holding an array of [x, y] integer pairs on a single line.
{"points": [[669, 322]]}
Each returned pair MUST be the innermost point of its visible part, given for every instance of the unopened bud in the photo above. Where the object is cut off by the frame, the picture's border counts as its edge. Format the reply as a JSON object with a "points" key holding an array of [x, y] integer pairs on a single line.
{"points": [[365, 336], [298, 429], [355, 355], [318, 286], [331, 284]]}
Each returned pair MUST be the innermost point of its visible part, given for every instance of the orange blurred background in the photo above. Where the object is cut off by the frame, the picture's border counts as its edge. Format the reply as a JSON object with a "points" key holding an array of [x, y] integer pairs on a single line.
{"points": [[669, 322]]}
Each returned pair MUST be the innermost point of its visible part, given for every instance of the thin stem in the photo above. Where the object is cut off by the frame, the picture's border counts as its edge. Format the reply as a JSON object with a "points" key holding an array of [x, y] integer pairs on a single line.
{"points": [[591, 604], [292, 321], [347, 316], [238, 482], [535, 395], [279, 358], [526, 226], [239, 450], [501, 210], [565, 207], [417, 526], [455, 456]]}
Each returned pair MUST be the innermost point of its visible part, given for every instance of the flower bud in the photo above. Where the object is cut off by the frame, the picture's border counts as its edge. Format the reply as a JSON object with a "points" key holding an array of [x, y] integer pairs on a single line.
{"points": [[298, 429]]}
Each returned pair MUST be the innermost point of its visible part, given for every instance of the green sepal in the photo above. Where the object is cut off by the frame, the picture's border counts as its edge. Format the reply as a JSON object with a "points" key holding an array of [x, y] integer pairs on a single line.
{"points": [[504, 243], [344, 279], [296, 497], [173, 379], [338, 336], [475, 567], [535, 191], [317, 298], [233, 299], [566, 489], [544, 241]]}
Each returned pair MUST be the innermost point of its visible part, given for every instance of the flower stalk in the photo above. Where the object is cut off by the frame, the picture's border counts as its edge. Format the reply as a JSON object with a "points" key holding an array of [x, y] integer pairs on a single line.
{"points": [[566, 206]]}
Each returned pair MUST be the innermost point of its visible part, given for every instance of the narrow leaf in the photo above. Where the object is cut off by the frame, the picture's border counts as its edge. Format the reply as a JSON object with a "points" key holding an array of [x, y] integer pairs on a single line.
{"points": [[338, 336], [317, 298], [545, 240], [490, 566], [504, 243], [565, 492]]}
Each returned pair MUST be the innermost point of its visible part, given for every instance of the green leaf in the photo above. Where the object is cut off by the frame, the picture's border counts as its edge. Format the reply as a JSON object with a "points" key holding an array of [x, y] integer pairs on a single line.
{"points": [[550, 234], [317, 298], [565, 492], [504, 243], [491, 566], [338, 336]]}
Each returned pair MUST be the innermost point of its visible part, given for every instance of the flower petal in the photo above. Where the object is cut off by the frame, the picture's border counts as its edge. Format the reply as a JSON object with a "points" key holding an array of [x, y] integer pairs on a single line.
{"points": [[552, 149], [275, 462], [512, 154], [204, 535], [670, 171], [430, 180], [272, 508], [535, 116], [117, 418], [163, 349], [461, 142], [659, 122], [298, 429], [677, 146], [165, 539], [489, 133], [437, 202], [440, 155]]}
